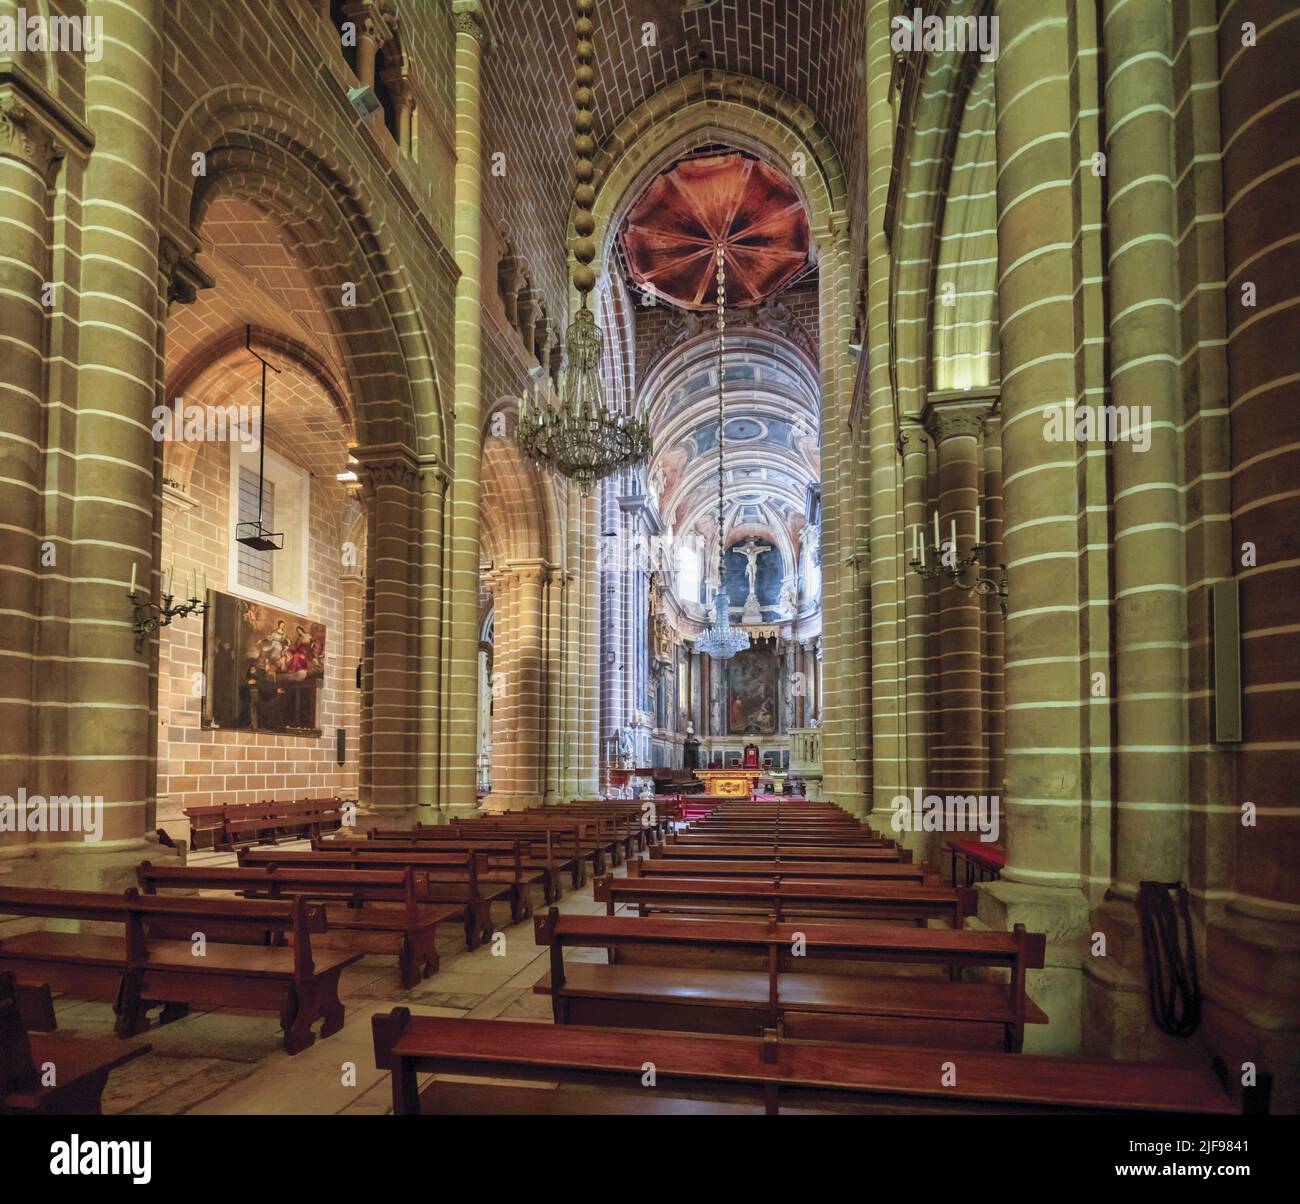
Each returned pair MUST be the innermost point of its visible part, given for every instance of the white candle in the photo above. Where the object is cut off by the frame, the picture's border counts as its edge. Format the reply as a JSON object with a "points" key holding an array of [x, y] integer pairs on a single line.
{"points": [[167, 588], [936, 530], [954, 534], [977, 522], [133, 577]]}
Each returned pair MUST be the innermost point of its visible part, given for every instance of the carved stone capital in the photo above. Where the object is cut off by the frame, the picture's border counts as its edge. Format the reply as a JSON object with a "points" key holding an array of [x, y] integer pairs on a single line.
{"points": [[949, 425], [24, 137], [469, 20], [912, 439]]}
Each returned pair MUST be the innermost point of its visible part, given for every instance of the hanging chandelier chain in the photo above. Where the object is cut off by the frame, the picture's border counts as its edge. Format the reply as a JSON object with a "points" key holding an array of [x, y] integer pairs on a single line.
{"points": [[578, 434], [722, 370]]}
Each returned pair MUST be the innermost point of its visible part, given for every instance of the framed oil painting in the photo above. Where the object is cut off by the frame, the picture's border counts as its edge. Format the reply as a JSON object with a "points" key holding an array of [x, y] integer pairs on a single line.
{"points": [[751, 693], [263, 667]]}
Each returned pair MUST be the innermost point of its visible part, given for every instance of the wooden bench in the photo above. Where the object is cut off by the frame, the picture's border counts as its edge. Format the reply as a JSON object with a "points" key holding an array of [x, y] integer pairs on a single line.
{"points": [[564, 841], [981, 860], [454, 878], [769, 852], [530, 856], [782, 898], [879, 871], [500, 858], [601, 1072], [80, 1065], [651, 983], [207, 826], [591, 839], [369, 910], [152, 961]]}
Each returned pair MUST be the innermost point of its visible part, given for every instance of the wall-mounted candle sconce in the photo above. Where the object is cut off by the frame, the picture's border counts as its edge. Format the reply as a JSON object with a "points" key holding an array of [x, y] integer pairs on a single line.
{"points": [[150, 616], [964, 574]]}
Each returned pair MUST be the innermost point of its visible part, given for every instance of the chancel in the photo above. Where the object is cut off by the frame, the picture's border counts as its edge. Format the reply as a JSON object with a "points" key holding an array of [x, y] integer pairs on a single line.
{"points": [[581, 558]]}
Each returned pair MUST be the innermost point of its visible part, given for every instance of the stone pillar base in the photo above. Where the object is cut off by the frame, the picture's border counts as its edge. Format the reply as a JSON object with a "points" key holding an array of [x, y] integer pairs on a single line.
{"points": [[82, 866], [1058, 988], [496, 803]]}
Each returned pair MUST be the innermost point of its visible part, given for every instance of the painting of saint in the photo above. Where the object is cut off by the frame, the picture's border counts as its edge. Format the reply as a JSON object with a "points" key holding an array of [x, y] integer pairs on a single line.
{"points": [[263, 667], [751, 680]]}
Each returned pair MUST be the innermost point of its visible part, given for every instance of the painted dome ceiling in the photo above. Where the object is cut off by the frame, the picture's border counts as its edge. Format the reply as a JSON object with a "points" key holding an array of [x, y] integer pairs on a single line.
{"points": [[670, 237]]}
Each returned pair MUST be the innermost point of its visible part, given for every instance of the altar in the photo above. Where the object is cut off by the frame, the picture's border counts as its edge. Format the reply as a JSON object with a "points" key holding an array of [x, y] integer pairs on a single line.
{"points": [[729, 783]]}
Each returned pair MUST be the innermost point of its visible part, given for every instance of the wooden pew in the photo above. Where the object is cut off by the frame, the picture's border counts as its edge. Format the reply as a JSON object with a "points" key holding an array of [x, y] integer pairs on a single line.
{"points": [[751, 852], [638, 990], [81, 1065], [592, 839], [207, 826], [787, 898], [453, 878], [879, 871], [373, 910], [601, 1071], [146, 965], [564, 840], [512, 857]]}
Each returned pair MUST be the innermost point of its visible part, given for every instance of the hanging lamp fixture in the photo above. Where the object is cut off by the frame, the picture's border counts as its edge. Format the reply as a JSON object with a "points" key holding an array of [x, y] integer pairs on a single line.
{"points": [[722, 641], [254, 534], [576, 433]]}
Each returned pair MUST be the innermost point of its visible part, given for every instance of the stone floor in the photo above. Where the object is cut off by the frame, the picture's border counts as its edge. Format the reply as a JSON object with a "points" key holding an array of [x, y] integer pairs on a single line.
{"points": [[223, 1061]]}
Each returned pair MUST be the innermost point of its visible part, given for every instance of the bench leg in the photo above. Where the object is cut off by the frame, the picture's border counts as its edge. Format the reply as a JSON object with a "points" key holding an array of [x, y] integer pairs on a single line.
{"points": [[417, 960], [296, 1016], [551, 886], [521, 906], [129, 1006], [173, 1011]]}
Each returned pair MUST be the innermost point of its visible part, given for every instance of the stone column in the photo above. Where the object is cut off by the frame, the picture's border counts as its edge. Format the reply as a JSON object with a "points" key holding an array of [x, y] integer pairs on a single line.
{"points": [[505, 674], [115, 478], [889, 747], [914, 448], [528, 684], [351, 649], [840, 601], [553, 660], [461, 676], [959, 761], [1041, 73], [994, 626], [589, 710], [434, 482], [395, 511], [30, 156], [1150, 600]]}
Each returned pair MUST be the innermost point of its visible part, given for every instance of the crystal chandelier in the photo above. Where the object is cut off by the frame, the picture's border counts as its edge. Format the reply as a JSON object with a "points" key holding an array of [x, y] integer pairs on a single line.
{"points": [[576, 433], [721, 641]]}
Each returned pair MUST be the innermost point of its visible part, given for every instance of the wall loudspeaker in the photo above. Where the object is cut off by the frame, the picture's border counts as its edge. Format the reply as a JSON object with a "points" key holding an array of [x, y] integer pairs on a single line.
{"points": [[1225, 629], [341, 744], [364, 100]]}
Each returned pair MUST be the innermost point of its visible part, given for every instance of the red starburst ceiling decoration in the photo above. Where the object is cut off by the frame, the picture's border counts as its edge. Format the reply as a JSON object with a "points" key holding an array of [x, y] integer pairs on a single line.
{"points": [[671, 236]]}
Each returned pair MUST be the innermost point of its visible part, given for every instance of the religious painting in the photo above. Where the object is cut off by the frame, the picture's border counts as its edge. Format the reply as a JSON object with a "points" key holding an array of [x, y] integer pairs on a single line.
{"points": [[263, 667], [751, 693]]}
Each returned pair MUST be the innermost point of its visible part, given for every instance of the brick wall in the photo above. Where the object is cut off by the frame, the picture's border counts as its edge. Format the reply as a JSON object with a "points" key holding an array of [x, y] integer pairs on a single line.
{"points": [[200, 767]]}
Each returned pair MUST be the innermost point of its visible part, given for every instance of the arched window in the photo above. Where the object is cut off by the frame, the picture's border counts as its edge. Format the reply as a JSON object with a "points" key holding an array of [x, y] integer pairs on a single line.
{"points": [[690, 569]]}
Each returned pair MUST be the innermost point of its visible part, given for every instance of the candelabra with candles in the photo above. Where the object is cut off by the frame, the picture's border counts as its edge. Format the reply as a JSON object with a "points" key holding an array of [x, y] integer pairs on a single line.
{"points": [[964, 574], [150, 616]]}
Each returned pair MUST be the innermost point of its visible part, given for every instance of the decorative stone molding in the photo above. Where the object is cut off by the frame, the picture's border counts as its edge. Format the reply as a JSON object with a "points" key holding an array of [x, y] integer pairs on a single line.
{"points": [[943, 425], [912, 439], [387, 464], [184, 276], [772, 316], [35, 127], [24, 138], [469, 19]]}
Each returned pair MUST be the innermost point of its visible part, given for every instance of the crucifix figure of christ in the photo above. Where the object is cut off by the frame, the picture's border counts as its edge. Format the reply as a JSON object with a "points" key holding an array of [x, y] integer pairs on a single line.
{"points": [[751, 550]]}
